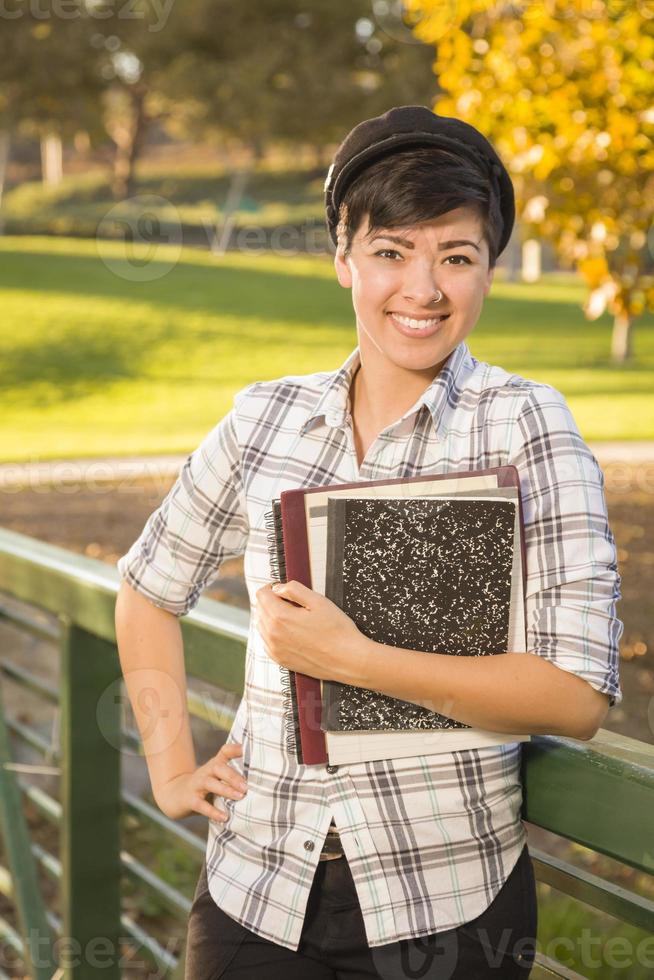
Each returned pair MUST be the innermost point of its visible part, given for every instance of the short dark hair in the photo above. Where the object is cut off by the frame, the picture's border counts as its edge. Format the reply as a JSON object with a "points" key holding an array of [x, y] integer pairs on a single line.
{"points": [[415, 185]]}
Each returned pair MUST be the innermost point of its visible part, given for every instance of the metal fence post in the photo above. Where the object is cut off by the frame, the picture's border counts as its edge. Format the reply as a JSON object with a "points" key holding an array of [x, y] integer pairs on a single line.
{"points": [[90, 797]]}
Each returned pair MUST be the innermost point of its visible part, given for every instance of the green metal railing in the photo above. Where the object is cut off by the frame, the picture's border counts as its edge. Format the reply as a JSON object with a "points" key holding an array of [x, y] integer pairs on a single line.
{"points": [[599, 793]]}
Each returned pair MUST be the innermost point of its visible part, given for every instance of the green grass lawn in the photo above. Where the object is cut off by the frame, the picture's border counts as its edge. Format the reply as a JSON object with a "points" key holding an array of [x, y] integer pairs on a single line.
{"points": [[93, 363], [194, 198]]}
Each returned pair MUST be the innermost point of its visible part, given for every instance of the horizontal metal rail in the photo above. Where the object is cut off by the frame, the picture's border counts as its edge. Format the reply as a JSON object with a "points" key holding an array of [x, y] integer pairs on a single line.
{"points": [[545, 969], [28, 623], [31, 737], [9, 936], [195, 844], [46, 805], [561, 775], [148, 944], [578, 883], [83, 590], [173, 900], [29, 681]]}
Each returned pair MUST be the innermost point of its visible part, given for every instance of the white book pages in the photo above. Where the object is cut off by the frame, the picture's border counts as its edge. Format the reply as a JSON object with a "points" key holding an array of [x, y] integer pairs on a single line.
{"points": [[344, 747]]}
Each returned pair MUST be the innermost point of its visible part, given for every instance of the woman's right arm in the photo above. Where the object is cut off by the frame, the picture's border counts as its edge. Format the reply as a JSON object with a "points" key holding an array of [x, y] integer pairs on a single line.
{"points": [[151, 653]]}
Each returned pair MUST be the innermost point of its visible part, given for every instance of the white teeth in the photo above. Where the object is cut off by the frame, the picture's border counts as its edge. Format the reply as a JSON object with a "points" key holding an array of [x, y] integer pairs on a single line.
{"points": [[408, 321]]}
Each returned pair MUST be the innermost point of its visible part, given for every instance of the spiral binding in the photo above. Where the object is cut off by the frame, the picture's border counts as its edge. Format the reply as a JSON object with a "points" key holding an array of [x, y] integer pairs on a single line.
{"points": [[275, 536], [291, 715]]}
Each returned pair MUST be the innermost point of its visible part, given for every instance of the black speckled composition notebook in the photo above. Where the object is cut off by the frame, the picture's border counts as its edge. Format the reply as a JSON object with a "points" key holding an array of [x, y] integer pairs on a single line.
{"points": [[421, 573]]}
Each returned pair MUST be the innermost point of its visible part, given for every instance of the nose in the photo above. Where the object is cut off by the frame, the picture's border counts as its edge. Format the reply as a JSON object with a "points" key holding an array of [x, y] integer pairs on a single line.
{"points": [[420, 285]]}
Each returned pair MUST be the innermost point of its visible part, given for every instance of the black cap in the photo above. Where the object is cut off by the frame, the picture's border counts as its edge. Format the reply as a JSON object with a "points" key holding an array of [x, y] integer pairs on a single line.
{"points": [[418, 126]]}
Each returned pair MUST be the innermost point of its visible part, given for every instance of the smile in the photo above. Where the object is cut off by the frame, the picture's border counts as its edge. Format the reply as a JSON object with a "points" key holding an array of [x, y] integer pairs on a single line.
{"points": [[420, 327]]}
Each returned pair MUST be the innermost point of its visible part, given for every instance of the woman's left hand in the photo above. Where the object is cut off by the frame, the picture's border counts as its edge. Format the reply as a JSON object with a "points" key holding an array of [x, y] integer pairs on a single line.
{"points": [[314, 637]]}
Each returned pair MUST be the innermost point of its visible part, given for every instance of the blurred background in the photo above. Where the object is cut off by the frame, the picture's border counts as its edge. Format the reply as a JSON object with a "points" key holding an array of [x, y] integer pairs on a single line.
{"points": [[163, 244]]}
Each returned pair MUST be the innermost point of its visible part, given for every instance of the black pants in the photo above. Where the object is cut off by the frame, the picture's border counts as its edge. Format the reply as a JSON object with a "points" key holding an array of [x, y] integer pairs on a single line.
{"points": [[499, 943]]}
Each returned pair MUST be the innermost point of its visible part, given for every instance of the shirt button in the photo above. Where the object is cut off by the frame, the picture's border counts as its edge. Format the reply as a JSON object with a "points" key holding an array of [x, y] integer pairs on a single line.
{"points": [[309, 845], [332, 768]]}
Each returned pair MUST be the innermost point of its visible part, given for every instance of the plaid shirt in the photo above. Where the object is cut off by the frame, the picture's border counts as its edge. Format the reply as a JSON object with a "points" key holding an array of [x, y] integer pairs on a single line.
{"points": [[431, 839]]}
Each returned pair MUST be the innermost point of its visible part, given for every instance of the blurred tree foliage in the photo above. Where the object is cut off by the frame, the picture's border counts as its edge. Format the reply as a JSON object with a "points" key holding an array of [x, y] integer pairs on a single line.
{"points": [[565, 90], [67, 68], [299, 70], [302, 71], [50, 76], [50, 80]]}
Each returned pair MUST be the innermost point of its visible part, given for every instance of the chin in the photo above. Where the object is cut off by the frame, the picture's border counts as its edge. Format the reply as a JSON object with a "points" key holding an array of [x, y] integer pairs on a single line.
{"points": [[434, 348], [422, 362]]}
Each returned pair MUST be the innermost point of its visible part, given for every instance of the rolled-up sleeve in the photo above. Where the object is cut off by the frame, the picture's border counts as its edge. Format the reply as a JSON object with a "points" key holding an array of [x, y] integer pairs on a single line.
{"points": [[573, 584], [201, 522]]}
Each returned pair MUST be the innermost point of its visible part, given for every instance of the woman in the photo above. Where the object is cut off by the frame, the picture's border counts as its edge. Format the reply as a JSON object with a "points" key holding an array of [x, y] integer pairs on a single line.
{"points": [[425, 866]]}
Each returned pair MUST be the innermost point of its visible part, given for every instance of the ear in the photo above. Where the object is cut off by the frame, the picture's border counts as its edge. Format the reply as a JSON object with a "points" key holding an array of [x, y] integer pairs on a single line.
{"points": [[342, 266]]}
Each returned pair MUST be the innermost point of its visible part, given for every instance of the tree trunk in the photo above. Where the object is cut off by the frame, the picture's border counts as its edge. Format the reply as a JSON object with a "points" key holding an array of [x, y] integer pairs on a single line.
{"points": [[621, 338], [258, 149], [531, 260], [512, 255], [82, 142], [52, 159], [129, 142], [5, 144]]}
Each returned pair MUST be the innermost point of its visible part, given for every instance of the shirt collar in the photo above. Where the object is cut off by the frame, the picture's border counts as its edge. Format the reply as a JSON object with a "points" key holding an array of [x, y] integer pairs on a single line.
{"points": [[440, 396]]}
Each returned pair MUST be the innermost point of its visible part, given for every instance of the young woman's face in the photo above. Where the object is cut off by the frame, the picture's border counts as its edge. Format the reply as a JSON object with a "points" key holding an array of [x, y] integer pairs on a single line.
{"points": [[395, 276]]}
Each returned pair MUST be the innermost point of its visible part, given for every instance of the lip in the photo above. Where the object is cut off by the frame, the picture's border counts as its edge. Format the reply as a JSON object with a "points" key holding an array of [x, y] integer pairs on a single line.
{"points": [[423, 331]]}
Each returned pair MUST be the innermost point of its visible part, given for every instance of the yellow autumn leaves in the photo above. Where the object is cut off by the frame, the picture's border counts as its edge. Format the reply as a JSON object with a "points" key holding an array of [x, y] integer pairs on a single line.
{"points": [[565, 90]]}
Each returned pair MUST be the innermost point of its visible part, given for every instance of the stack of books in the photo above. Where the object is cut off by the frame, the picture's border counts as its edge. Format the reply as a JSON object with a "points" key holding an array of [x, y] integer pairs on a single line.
{"points": [[430, 563]]}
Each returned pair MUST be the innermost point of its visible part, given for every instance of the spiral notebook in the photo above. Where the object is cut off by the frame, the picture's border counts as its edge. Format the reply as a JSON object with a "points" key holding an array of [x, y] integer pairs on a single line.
{"points": [[297, 525]]}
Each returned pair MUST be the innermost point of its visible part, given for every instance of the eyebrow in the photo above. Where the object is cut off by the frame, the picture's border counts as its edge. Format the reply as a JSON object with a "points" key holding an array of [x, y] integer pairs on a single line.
{"points": [[443, 247]]}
